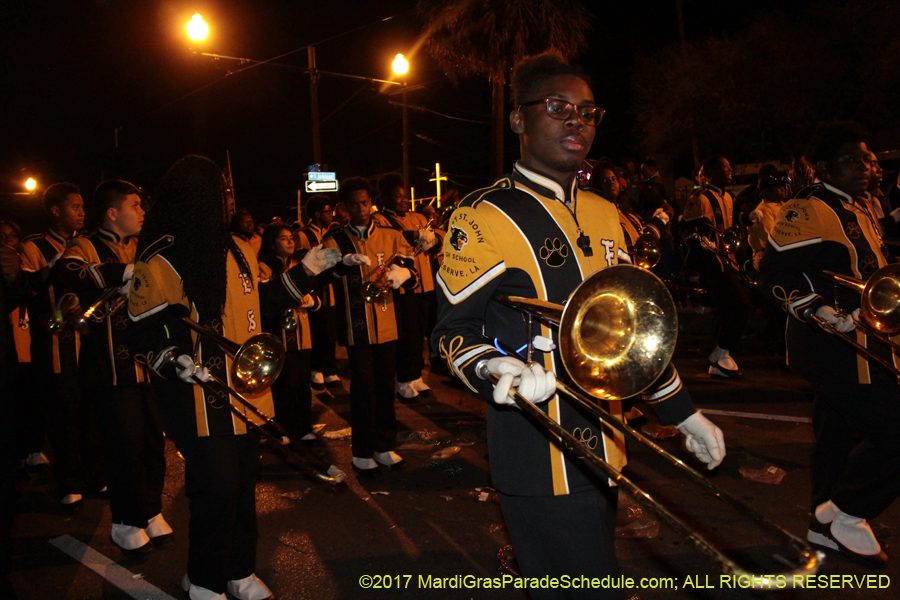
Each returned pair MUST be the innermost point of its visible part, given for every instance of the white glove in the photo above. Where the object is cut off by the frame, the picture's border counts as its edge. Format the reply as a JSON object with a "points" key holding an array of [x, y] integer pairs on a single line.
{"points": [[755, 216], [661, 215], [398, 276], [320, 259], [895, 215], [426, 240], [703, 439], [352, 260], [841, 322], [533, 383], [129, 272], [187, 369], [307, 301], [706, 243]]}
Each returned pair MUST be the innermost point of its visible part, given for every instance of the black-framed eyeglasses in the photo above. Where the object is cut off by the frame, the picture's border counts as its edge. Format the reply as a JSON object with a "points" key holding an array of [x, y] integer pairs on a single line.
{"points": [[560, 109]]}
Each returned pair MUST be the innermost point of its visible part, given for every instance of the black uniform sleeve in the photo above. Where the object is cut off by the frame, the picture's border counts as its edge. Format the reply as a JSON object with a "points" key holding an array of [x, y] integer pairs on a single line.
{"points": [[285, 291]]}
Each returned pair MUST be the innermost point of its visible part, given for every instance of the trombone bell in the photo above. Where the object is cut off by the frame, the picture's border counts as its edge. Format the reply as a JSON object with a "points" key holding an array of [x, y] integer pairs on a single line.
{"points": [[257, 365]]}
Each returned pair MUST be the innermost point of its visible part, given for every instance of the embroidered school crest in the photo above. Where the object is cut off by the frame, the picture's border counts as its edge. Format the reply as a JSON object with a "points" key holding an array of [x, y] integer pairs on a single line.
{"points": [[791, 216], [458, 238]]}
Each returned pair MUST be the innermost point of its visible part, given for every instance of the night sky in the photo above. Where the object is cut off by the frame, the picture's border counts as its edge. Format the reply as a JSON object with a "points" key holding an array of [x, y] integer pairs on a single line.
{"points": [[80, 76]]}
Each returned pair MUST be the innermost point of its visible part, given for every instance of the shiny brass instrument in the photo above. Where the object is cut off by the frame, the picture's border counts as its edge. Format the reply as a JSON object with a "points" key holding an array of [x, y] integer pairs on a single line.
{"points": [[879, 311], [255, 366], [617, 333], [67, 305], [111, 299], [378, 285], [647, 250]]}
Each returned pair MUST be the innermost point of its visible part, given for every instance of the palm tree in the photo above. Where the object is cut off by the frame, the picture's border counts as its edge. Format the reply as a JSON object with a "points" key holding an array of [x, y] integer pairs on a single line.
{"points": [[487, 37]]}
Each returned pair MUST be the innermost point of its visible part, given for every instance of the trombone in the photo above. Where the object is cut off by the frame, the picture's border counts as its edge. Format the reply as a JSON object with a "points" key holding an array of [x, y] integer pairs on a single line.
{"points": [[617, 333], [878, 311], [255, 365], [378, 285]]}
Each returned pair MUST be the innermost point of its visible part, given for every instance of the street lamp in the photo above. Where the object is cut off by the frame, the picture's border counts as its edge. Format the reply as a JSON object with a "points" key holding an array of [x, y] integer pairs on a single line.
{"points": [[400, 65], [197, 28], [30, 184]]}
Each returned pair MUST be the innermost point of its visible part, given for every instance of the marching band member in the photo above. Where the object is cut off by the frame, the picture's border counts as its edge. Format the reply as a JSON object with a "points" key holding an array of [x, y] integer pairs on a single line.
{"points": [[132, 430], [411, 305], [536, 234], [856, 412], [708, 213], [320, 212], [369, 329], [208, 275], [290, 392], [77, 455]]}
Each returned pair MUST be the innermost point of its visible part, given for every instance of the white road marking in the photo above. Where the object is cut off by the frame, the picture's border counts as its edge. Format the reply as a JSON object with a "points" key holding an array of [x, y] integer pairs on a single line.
{"points": [[731, 413], [117, 575]]}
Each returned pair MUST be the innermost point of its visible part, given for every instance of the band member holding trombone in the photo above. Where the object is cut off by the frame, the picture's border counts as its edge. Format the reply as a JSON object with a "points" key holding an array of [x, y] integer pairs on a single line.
{"points": [[376, 261], [98, 268], [707, 214], [189, 265], [536, 234], [856, 412], [54, 351]]}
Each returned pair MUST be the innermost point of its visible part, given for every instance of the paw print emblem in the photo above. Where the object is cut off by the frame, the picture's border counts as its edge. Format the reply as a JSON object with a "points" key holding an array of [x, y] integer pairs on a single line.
{"points": [[214, 364], [853, 230], [120, 322], [122, 352], [554, 252], [869, 264], [359, 324]]}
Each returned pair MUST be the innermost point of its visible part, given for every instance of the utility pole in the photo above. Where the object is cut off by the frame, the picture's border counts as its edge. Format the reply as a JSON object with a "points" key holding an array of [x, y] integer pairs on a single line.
{"points": [[314, 103]]}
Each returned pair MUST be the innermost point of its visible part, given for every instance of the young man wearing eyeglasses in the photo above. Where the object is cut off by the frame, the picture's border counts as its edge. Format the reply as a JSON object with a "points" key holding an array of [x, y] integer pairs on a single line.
{"points": [[856, 411], [536, 233]]}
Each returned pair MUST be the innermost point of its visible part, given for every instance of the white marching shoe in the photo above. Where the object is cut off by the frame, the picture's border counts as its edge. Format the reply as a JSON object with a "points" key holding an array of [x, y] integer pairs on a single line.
{"points": [[722, 365], [37, 459], [195, 592], [131, 539], [158, 530], [390, 459], [851, 536], [250, 588], [420, 386], [405, 391]]}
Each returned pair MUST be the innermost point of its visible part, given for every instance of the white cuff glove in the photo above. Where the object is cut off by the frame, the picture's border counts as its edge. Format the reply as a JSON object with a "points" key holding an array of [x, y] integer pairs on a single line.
{"points": [[307, 301], [352, 260], [187, 369], [129, 272], [703, 439], [661, 215], [398, 276], [426, 240], [320, 259], [533, 383], [895, 215], [841, 322], [755, 216]]}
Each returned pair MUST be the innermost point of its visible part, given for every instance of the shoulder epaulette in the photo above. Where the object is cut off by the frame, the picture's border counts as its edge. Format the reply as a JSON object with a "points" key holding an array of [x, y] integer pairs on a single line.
{"points": [[472, 200], [32, 237], [156, 247]]}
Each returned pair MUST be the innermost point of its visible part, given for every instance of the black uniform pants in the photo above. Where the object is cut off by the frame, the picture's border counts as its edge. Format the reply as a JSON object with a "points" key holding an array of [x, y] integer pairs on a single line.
{"points": [[732, 303], [30, 411], [135, 452], [372, 416], [323, 329], [220, 478], [856, 462], [565, 535], [292, 395], [409, 309], [74, 434]]}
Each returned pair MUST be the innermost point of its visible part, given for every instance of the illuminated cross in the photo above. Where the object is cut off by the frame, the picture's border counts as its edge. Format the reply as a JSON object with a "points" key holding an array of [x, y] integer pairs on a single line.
{"points": [[438, 179]]}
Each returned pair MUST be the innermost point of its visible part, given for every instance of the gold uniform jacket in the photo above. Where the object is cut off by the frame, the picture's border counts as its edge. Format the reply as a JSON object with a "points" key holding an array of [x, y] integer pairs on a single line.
{"points": [[157, 297], [59, 352], [298, 338], [89, 266], [306, 239], [823, 229], [361, 322], [409, 225], [520, 236]]}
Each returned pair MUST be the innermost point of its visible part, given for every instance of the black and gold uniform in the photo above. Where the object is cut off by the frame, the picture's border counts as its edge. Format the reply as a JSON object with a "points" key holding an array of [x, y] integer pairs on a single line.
{"points": [[291, 392], [412, 303], [77, 454], [369, 332], [707, 214], [221, 458], [321, 321], [132, 429], [856, 414], [529, 236]]}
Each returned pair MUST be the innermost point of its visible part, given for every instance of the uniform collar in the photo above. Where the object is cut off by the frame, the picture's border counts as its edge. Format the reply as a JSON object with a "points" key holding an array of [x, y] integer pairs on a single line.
{"points": [[112, 236], [388, 211], [59, 238], [845, 197], [364, 234], [716, 189], [315, 229], [544, 185]]}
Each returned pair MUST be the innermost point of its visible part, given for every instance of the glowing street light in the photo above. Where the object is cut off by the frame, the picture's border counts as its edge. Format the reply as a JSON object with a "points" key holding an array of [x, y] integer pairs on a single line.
{"points": [[30, 184], [197, 28], [400, 65]]}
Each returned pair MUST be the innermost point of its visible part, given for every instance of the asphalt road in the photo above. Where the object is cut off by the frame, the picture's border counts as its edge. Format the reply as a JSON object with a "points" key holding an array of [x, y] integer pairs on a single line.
{"points": [[439, 519]]}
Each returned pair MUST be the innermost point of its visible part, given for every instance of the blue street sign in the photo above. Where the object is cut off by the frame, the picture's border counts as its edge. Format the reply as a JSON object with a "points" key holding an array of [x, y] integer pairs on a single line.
{"points": [[322, 176]]}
